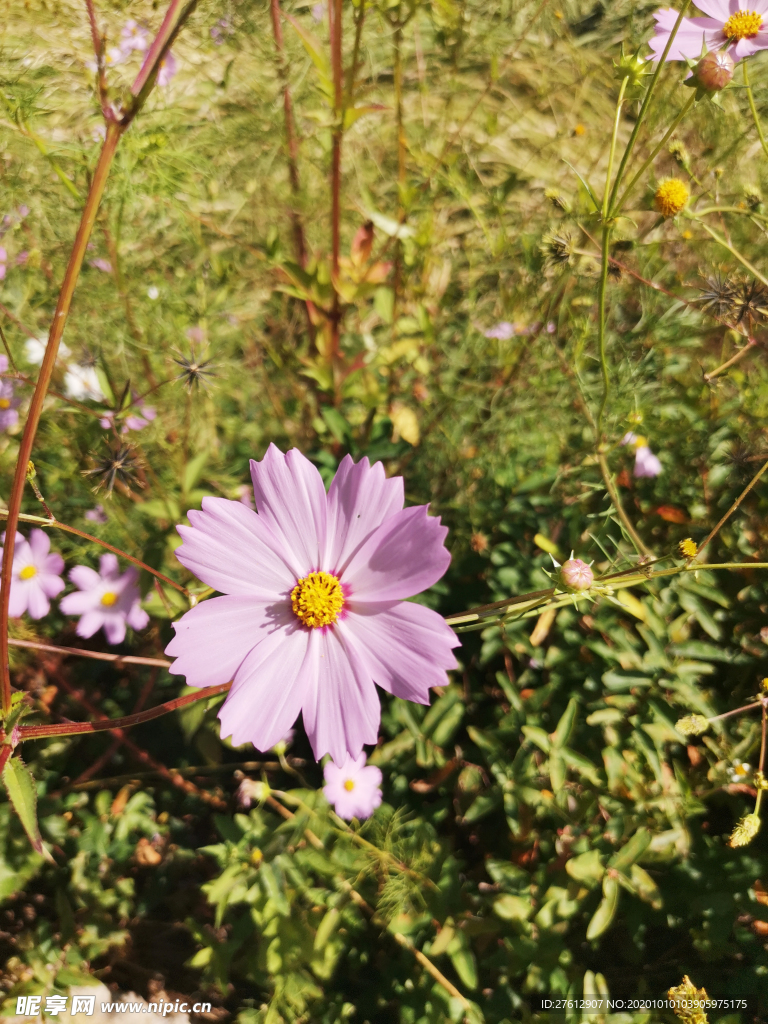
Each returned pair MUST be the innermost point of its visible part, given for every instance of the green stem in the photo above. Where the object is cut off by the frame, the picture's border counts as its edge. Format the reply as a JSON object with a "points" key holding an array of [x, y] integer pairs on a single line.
{"points": [[755, 116], [734, 252], [646, 104], [654, 153], [616, 500], [604, 261], [612, 151]]}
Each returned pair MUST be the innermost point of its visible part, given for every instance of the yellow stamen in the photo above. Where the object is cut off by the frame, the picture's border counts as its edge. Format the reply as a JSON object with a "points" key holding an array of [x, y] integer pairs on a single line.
{"points": [[688, 548], [671, 196], [109, 599], [743, 25], [28, 572], [317, 599], [349, 785], [5, 403]]}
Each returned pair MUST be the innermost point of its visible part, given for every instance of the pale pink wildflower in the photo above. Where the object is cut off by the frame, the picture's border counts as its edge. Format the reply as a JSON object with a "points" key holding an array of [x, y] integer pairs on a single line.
{"points": [[739, 25], [3, 262], [36, 575], [99, 264], [352, 788], [9, 400], [105, 598], [137, 421], [167, 69], [97, 514], [133, 37], [646, 463], [314, 614]]}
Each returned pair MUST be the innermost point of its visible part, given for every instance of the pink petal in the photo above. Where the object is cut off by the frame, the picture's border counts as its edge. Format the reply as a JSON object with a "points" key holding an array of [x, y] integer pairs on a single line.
{"points": [[137, 618], [52, 565], [114, 627], [90, 623], [360, 498], [758, 6], [19, 599], [719, 9], [341, 710], [38, 604], [232, 549], [688, 41], [109, 566], [213, 638], [80, 601], [270, 688], [84, 577], [291, 499], [50, 584], [746, 47], [404, 556], [40, 543], [407, 648]]}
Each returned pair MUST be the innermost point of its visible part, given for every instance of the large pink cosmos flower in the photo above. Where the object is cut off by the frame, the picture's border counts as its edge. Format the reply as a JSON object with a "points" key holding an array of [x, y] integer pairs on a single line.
{"points": [[314, 613], [36, 575], [105, 598], [353, 789], [739, 25]]}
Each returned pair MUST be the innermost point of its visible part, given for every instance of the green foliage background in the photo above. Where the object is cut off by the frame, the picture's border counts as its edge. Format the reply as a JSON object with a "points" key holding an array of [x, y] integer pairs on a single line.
{"points": [[545, 829]]}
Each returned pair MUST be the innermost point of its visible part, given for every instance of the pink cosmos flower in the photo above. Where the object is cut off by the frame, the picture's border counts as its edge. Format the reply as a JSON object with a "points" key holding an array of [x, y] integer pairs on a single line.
{"points": [[167, 69], [503, 331], [36, 575], [741, 25], [142, 418], [9, 401], [103, 265], [353, 789], [133, 37], [646, 463], [97, 514], [105, 598], [314, 614]]}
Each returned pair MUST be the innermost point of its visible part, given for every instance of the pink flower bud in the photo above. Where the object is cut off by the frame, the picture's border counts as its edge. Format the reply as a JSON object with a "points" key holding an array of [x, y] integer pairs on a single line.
{"points": [[576, 575], [714, 71]]}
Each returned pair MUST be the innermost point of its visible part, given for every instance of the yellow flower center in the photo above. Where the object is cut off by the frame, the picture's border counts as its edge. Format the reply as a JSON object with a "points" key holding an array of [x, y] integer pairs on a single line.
{"points": [[317, 599], [349, 785], [109, 599], [28, 572], [743, 25], [671, 196], [5, 403]]}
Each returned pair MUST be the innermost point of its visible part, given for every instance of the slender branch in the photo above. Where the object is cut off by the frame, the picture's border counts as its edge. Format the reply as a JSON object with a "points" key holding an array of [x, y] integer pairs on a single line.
{"points": [[29, 333], [38, 732], [753, 107], [204, 769], [733, 251], [716, 529], [46, 370], [645, 106], [616, 500], [127, 659], [736, 711], [654, 153], [737, 357], [335, 19], [5, 754], [761, 761], [176, 15], [56, 525]]}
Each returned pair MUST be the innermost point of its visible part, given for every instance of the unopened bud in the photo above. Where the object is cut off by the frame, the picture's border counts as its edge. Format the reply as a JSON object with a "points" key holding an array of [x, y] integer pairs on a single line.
{"points": [[692, 725], [576, 575], [714, 71], [745, 831]]}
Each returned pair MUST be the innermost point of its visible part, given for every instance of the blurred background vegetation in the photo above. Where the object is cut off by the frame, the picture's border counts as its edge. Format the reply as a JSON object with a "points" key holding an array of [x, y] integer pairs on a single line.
{"points": [[545, 828]]}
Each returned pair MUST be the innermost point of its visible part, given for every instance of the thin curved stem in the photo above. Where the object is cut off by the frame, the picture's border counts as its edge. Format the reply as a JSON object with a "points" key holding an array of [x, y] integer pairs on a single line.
{"points": [[126, 659], [646, 104], [716, 529], [753, 107], [616, 210], [727, 245], [601, 338], [637, 540]]}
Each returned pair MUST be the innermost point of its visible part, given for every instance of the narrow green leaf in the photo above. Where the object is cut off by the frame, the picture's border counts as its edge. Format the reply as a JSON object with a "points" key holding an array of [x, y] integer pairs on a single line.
{"points": [[564, 728], [606, 910], [22, 792]]}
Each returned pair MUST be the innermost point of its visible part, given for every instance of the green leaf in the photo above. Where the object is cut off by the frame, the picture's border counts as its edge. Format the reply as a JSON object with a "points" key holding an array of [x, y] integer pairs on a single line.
{"points": [[646, 887], [564, 728], [22, 792], [538, 736], [512, 908], [606, 911], [193, 471], [632, 850], [587, 867]]}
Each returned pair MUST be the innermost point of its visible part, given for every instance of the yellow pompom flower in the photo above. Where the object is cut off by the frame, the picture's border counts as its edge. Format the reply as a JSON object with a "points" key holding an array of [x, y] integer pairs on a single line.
{"points": [[671, 196], [745, 831], [688, 548]]}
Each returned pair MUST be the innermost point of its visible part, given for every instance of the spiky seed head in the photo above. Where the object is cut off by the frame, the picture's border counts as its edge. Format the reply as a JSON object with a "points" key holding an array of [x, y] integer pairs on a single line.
{"points": [[554, 197], [671, 197], [678, 151], [632, 67], [692, 725], [745, 831], [557, 249]]}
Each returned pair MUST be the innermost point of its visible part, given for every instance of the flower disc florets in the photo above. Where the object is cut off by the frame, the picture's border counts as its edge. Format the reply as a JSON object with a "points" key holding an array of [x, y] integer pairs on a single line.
{"points": [[745, 831], [671, 197], [317, 599], [743, 25]]}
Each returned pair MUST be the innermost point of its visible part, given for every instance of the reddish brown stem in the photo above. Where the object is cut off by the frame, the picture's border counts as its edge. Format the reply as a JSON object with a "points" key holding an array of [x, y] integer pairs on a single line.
{"points": [[127, 659], [15, 320], [335, 20], [46, 370], [5, 753], [38, 732]]}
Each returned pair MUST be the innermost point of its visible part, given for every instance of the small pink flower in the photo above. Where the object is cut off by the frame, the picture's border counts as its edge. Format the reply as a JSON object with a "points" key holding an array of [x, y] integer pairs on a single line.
{"points": [[142, 418], [195, 334], [576, 575], [646, 463], [22, 258], [133, 37], [314, 613], [36, 575], [502, 331], [103, 265], [739, 25], [105, 598], [9, 401], [352, 788], [3, 263], [96, 515], [250, 790], [167, 69]]}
